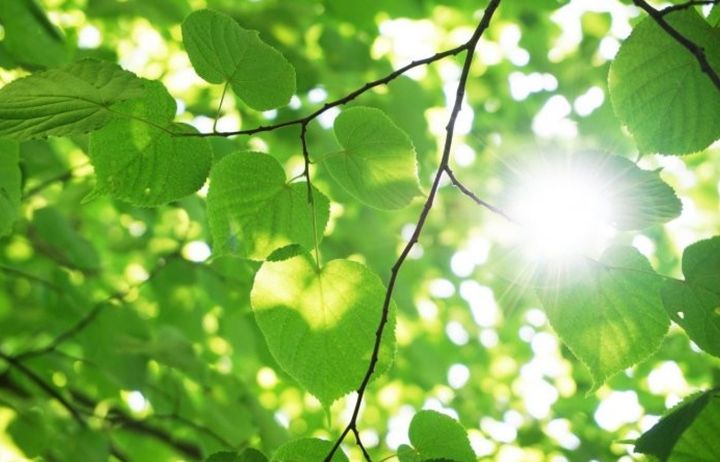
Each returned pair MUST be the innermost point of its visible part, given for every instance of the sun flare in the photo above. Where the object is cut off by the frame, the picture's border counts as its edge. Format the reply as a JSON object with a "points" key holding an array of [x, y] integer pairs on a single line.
{"points": [[564, 213]]}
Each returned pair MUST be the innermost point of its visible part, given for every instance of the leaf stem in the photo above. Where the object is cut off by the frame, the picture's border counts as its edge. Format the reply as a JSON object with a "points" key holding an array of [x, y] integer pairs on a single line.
{"points": [[222, 99]]}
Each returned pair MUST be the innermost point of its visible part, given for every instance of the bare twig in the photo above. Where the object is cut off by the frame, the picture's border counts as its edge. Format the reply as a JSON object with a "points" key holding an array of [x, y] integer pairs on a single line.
{"points": [[469, 48], [474, 197], [688, 44], [688, 4]]}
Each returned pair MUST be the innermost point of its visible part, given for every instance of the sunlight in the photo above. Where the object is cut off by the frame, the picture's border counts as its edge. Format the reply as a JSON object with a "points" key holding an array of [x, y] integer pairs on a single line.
{"points": [[563, 212]]}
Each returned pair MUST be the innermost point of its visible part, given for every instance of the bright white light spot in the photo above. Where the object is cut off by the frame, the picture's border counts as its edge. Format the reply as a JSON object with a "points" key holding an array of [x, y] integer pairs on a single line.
{"points": [[327, 118], [609, 47], [398, 427], [499, 431], [266, 377], [563, 213], [464, 155], [536, 317], [462, 264], [457, 333], [441, 288], [270, 115], [317, 95], [89, 37], [586, 103], [538, 396], [282, 419], [427, 309], [197, 251], [295, 102], [482, 303], [370, 438], [619, 408], [667, 378], [136, 402], [458, 375], [552, 122], [559, 430], [644, 244]]}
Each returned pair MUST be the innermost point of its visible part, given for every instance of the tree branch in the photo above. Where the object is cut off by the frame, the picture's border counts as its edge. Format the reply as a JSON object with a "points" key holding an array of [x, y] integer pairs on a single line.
{"points": [[474, 197], [688, 4], [697, 51], [469, 48]]}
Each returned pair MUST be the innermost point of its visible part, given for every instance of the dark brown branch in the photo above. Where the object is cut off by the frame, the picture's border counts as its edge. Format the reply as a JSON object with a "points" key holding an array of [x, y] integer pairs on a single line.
{"points": [[303, 121], [30, 277], [688, 44], [469, 48], [474, 197]]}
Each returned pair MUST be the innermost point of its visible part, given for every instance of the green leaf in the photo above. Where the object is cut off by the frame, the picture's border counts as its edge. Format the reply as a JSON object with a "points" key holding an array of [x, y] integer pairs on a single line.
{"points": [[610, 315], [30, 38], [307, 450], [638, 198], [688, 432], [658, 90], [223, 52], [248, 455], [377, 162], [137, 158], [407, 453], [253, 211], [320, 323], [695, 303], [69, 101], [438, 436], [10, 185]]}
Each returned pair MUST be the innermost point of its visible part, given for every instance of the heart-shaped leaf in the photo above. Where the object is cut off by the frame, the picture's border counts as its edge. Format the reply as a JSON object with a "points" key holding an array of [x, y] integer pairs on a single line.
{"points": [[253, 211], [320, 323]]}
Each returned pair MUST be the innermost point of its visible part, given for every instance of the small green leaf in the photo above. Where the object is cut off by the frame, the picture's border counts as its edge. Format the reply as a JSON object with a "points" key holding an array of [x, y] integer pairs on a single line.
{"points": [[223, 52], [610, 315], [688, 432], [320, 323], [30, 38], [658, 90], [63, 241], [69, 101], [138, 159], [377, 164], [307, 450], [10, 185], [437, 436], [253, 211], [694, 304], [248, 455]]}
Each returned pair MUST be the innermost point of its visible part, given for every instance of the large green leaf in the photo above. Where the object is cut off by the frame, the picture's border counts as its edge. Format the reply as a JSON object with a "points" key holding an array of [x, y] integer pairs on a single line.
{"points": [[610, 315], [320, 323], [72, 100], [223, 52], [687, 433], [636, 198], [659, 91], [10, 179], [307, 450], [137, 158], [253, 211], [695, 303], [377, 162], [437, 436], [30, 37]]}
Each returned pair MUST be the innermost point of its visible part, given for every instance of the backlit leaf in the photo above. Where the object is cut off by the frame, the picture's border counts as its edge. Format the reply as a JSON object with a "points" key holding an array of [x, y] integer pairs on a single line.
{"points": [[377, 162], [610, 315], [72, 100], [307, 450], [253, 211], [687, 433], [437, 436], [658, 90], [138, 159], [320, 323], [221, 51], [695, 303]]}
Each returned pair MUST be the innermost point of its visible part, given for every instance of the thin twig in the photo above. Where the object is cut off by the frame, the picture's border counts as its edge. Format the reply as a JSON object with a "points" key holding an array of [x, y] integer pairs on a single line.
{"points": [[469, 47], [30, 277], [688, 44], [474, 197]]}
